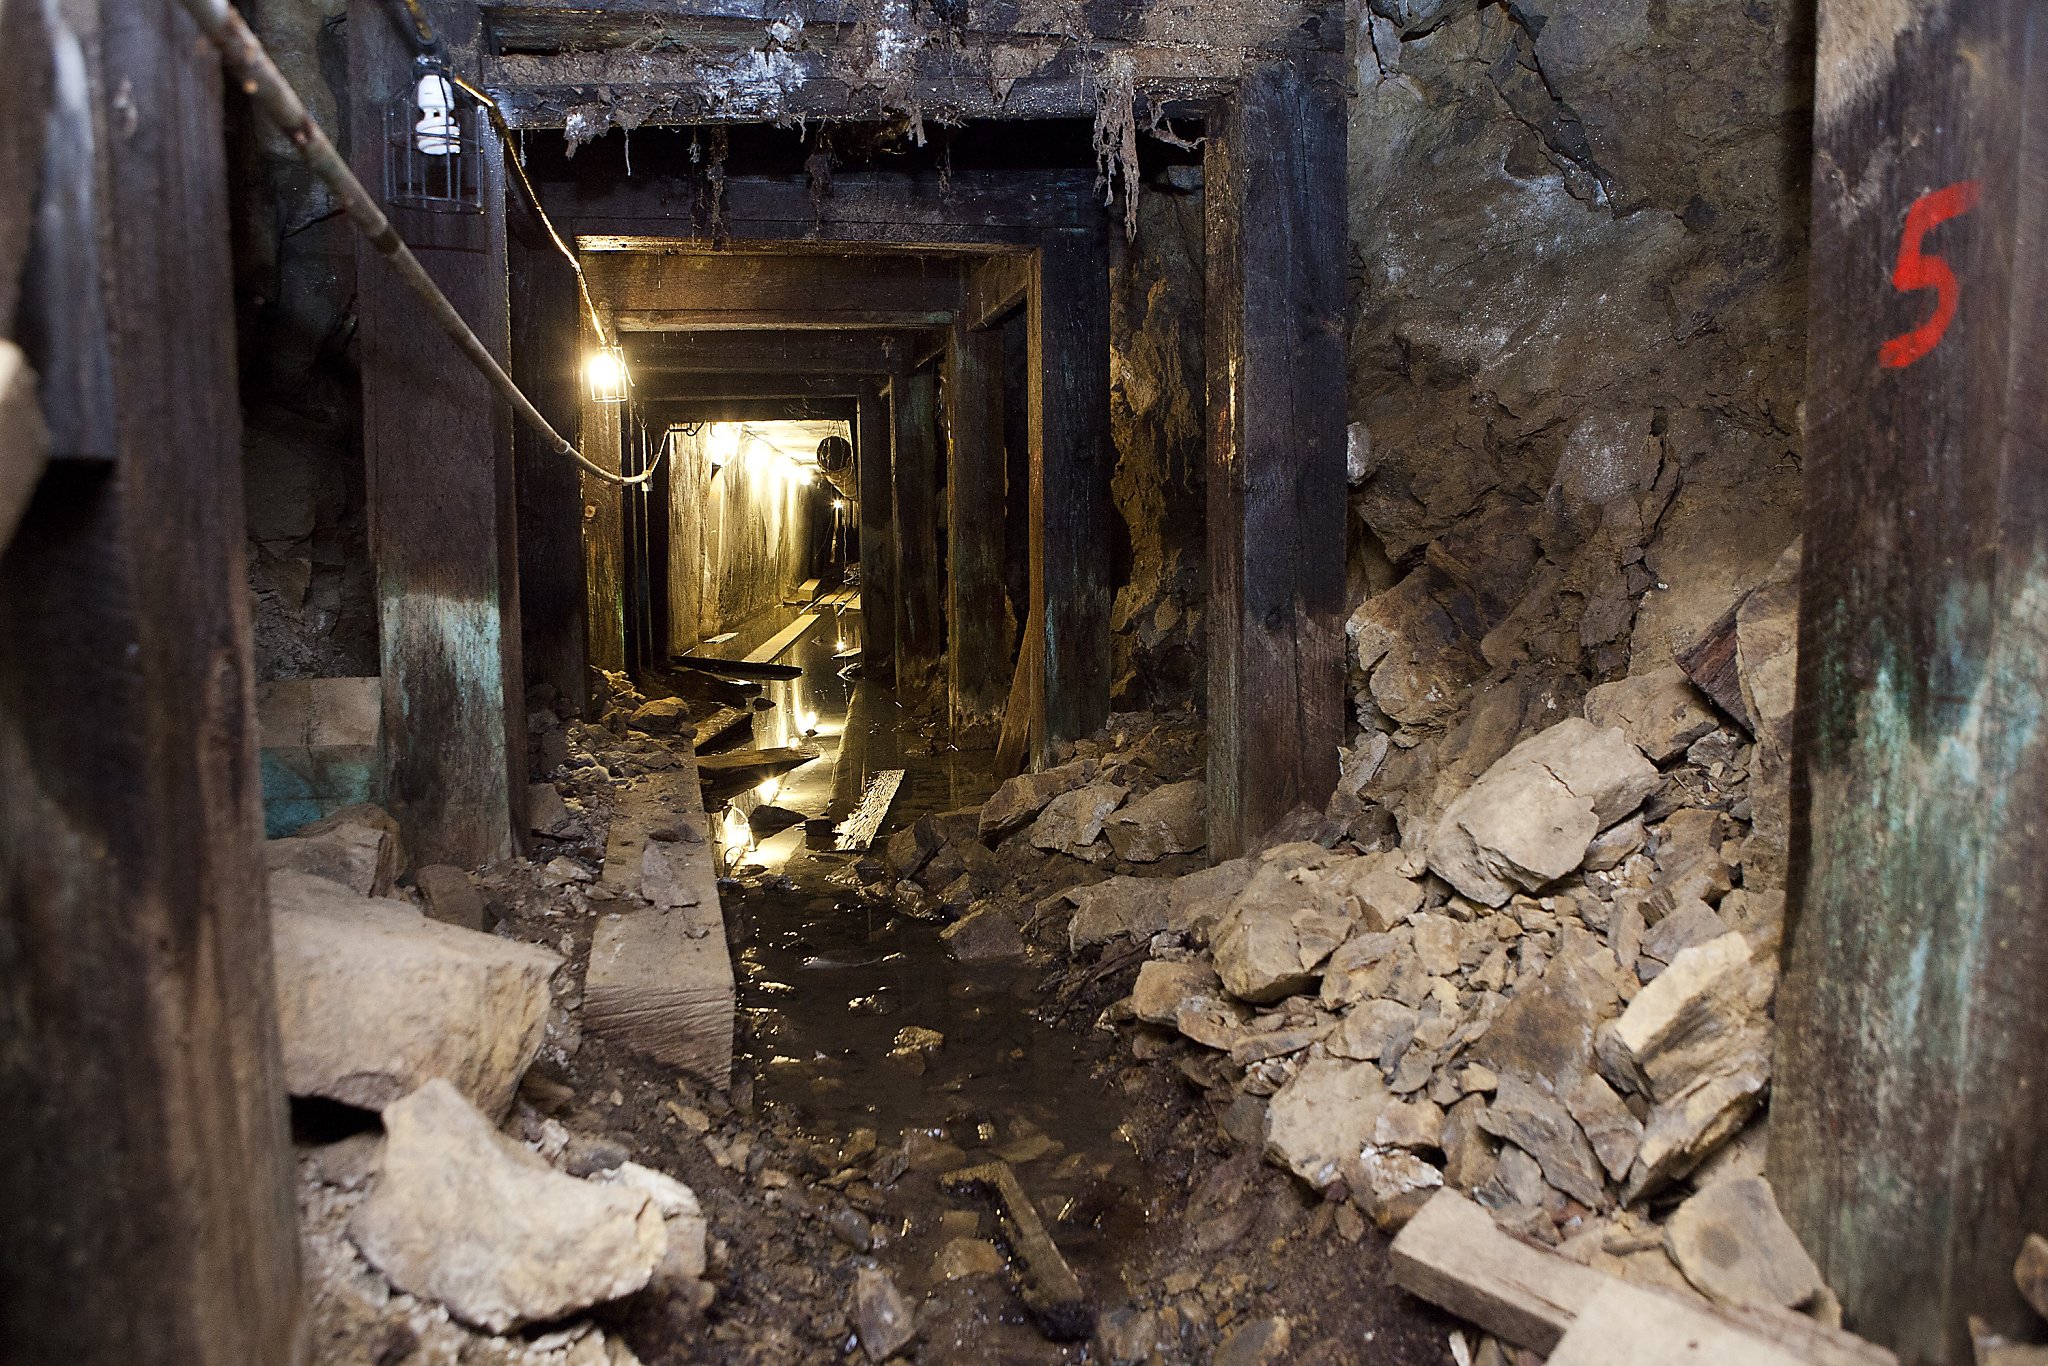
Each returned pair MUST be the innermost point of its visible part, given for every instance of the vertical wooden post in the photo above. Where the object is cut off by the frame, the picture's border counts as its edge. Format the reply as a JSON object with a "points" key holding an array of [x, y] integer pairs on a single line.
{"points": [[977, 617], [877, 544], [601, 437], [1275, 355], [1071, 462], [545, 333], [1910, 1102], [144, 1164], [920, 629], [438, 444]]}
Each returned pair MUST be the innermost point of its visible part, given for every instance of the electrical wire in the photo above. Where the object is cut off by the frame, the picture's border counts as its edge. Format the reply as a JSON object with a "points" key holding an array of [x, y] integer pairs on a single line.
{"points": [[251, 66]]}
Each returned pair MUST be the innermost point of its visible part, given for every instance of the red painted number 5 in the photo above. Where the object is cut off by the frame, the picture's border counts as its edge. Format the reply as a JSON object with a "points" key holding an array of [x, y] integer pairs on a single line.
{"points": [[1916, 271]]}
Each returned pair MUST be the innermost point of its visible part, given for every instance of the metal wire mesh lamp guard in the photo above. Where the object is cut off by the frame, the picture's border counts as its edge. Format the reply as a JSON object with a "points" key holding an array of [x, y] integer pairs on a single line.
{"points": [[433, 147]]}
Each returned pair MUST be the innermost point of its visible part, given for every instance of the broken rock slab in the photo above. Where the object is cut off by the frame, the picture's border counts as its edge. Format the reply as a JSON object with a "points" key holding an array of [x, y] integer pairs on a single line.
{"points": [[1169, 820], [882, 1317], [1321, 1120], [986, 934], [1133, 907], [1279, 931], [451, 897], [1528, 820], [1017, 802], [1163, 987], [360, 855], [1660, 712], [374, 999], [1539, 1125], [1733, 1244], [463, 1215], [1071, 823]]}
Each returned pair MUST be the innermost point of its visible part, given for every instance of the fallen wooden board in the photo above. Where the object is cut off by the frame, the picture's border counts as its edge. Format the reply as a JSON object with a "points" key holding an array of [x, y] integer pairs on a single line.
{"points": [[782, 639], [736, 668], [1049, 1287], [1626, 1325], [720, 725], [1453, 1255], [858, 830], [660, 978], [1013, 743]]}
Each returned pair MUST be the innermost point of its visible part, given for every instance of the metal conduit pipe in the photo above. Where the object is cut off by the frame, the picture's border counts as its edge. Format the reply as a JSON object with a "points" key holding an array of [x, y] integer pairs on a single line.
{"points": [[260, 79]]}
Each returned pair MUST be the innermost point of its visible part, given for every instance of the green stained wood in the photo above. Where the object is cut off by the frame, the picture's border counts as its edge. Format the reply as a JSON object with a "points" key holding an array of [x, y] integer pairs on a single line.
{"points": [[1911, 1096]]}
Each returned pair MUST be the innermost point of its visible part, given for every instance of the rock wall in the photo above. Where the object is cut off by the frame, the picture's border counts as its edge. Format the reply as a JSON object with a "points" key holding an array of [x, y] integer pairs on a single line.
{"points": [[1577, 353], [1156, 419], [309, 564]]}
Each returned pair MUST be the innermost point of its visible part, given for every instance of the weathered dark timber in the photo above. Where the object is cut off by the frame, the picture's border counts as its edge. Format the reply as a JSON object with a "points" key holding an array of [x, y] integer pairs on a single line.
{"points": [[1071, 461], [545, 332], [145, 1172], [437, 442], [661, 412], [1047, 1285], [993, 286], [818, 289], [772, 384], [978, 634], [863, 208], [914, 494], [1911, 1089], [1710, 663], [1274, 167], [871, 435]]}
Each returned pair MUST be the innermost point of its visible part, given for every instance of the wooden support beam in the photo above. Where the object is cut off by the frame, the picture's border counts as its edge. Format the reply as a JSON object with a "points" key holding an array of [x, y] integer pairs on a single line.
{"points": [[871, 438], [1274, 165], [914, 494], [773, 384], [1911, 1089], [994, 286], [804, 351], [601, 438], [145, 1168], [665, 290], [978, 629], [974, 210], [438, 444], [1071, 461], [547, 364], [663, 411]]}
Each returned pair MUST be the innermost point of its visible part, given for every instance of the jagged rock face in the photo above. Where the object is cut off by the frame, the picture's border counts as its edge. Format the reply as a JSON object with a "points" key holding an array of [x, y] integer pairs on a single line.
{"points": [[1577, 356]]}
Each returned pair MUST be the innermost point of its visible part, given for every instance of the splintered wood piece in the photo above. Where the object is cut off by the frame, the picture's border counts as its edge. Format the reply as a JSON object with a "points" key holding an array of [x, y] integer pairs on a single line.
{"points": [[1013, 747], [857, 831], [736, 668], [2030, 1273], [1710, 663], [1049, 1287]]}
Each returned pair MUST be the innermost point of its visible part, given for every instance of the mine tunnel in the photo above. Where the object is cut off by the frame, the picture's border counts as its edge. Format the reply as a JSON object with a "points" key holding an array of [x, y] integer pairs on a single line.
{"points": [[758, 681]]}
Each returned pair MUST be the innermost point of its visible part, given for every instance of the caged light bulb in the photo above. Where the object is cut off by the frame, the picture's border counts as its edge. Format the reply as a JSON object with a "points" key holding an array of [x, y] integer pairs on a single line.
{"points": [[436, 134]]}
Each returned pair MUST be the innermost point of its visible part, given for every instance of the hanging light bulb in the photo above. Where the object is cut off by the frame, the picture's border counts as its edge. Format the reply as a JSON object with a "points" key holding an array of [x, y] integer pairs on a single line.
{"points": [[605, 372], [436, 134], [722, 444]]}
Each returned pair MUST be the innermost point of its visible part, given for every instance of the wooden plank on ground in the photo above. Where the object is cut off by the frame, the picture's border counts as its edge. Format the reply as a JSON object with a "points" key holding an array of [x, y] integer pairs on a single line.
{"points": [[661, 979], [1910, 1093], [1453, 1255], [1049, 1289], [1625, 1325], [781, 640], [858, 830]]}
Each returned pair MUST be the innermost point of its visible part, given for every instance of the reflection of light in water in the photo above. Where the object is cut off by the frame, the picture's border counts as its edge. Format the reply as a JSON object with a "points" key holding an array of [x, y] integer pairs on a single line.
{"points": [[769, 789], [735, 836], [807, 721], [842, 642]]}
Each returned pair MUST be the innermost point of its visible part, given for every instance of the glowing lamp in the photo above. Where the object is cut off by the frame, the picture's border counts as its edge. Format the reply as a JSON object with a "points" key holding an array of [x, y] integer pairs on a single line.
{"points": [[605, 373], [433, 154]]}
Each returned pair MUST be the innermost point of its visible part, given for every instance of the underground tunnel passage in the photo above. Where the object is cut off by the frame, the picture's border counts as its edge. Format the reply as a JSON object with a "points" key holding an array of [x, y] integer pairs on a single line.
{"points": [[757, 681]]}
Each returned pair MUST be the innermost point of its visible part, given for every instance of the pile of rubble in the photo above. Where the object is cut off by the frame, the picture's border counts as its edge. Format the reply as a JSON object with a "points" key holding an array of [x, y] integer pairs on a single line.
{"points": [[1554, 993], [465, 1215]]}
